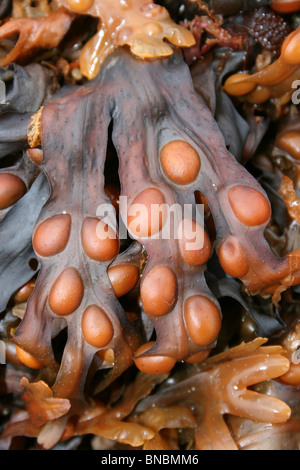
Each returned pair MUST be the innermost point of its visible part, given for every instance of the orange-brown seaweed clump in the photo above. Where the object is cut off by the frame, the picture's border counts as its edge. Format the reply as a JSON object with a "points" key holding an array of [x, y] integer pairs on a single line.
{"points": [[195, 399], [35, 34], [84, 271], [223, 385], [142, 25], [102, 304], [273, 81]]}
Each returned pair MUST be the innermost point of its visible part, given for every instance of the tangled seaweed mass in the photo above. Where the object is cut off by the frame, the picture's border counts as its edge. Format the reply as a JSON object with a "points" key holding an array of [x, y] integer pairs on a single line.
{"points": [[124, 325]]}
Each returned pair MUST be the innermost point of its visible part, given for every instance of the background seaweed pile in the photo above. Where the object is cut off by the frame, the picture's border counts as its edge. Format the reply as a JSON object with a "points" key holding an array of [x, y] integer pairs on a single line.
{"points": [[264, 138]]}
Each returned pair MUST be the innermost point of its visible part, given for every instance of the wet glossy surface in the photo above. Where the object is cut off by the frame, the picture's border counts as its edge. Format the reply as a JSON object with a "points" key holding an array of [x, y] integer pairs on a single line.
{"points": [[153, 365], [66, 292], [52, 235], [249, 205], [180, 162], [123, 278], [99, 241], [147, 213], [203, 319], [12, 188], [232, 257], [158, 291], [96, 326], [194, 243]]}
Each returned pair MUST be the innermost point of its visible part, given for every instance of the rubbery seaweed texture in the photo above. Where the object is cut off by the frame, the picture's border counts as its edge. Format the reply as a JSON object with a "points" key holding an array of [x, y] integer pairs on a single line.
{"points": [[120, 283]]}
